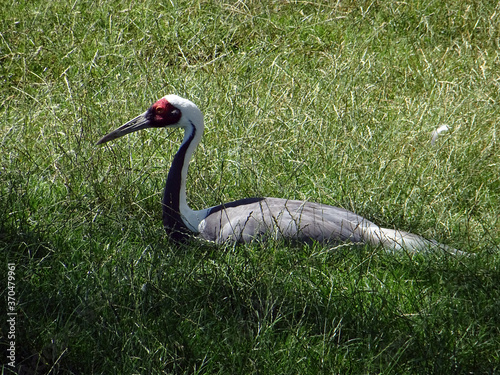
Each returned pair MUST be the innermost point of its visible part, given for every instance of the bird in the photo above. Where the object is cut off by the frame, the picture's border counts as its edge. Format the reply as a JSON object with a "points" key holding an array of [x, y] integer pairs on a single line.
{"points": [[258, 218]]}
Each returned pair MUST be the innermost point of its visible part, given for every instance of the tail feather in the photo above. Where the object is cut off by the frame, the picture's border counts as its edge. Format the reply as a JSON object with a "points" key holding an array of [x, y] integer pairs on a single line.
{"points": [[397, 240]]}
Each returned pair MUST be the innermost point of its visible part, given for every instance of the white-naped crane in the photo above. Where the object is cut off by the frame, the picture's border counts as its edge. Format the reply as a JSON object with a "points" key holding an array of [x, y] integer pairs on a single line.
{"points": [[252, 218]]}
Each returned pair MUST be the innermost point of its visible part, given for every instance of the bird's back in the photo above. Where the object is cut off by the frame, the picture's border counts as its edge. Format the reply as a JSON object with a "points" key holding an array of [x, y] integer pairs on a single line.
{"points": [[248, 219]]}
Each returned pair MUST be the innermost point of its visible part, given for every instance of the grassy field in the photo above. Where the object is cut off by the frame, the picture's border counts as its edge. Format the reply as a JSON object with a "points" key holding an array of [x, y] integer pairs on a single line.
{"points": [[323, 101]]}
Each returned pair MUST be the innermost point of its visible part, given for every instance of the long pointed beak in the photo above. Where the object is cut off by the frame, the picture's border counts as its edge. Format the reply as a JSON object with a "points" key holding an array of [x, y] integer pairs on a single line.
{"points": [[138, 123]]}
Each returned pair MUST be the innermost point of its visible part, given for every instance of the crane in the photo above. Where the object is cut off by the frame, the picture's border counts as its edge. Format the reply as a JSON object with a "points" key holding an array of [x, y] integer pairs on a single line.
{"points": [[248, 219]]}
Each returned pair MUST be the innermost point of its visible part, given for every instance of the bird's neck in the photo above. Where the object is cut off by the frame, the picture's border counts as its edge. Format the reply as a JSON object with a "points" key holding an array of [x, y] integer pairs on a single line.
{"points": [[178, 218]]}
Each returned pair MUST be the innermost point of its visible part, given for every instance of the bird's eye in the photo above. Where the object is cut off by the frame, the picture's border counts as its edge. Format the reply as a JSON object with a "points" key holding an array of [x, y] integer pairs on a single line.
{"points": [[159, 110]]}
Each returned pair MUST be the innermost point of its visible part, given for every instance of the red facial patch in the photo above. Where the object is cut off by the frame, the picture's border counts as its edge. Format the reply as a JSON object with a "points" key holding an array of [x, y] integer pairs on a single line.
{"points": [[165, 114]]}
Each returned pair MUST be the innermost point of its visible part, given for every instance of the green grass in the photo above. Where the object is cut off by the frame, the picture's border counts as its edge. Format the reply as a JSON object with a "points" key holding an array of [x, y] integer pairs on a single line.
{"points": [[324, 101]]}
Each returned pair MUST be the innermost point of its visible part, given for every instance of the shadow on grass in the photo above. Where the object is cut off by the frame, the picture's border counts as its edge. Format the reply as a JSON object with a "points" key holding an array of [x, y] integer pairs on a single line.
{"points": [[198, 308]]}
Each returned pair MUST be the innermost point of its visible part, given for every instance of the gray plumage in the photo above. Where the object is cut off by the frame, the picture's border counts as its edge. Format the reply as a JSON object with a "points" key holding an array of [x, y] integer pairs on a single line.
{"points": [[304, 222]]}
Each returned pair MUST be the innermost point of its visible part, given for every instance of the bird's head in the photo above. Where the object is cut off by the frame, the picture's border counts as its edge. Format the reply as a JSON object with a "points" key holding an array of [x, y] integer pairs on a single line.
{"points": [[171, 111]]}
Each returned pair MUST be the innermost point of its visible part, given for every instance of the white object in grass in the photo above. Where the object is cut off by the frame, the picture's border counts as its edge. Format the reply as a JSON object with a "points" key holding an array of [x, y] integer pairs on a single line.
{"points": [[437, 132]]}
